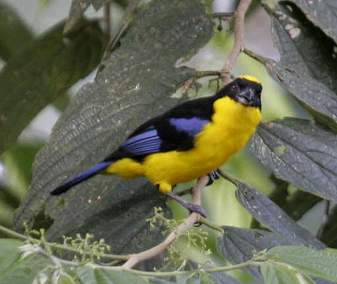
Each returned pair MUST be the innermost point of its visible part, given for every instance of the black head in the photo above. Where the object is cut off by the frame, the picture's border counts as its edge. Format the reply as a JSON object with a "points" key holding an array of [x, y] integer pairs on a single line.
{"points": [[246, 90]]}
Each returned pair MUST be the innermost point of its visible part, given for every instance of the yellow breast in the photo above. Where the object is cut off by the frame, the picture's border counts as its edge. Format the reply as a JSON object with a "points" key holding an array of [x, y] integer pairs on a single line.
{"points": [[231, 127]]}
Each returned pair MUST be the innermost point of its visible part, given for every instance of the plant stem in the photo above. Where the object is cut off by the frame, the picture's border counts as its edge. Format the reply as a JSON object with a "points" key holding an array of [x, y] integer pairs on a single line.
{"points": [[12, 233], [57, 245], [239, 30], [175, 273]]}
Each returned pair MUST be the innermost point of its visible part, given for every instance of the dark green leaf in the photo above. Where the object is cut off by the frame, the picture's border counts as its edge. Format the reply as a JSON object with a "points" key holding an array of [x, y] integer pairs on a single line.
{"points": [[43, 71], [322, 13], [316, 97], [308, 65], [239, 245], [316, 263], [136, 83], [301, 153], [14, 34], [272, 216]]}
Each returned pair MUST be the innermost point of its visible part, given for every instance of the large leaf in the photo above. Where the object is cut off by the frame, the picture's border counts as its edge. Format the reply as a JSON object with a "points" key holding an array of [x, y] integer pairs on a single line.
{"points": [[14, 34], [239, 245], [136, 83], [25, 270], [308, 65], [90, 275], [277, 274], [322, 13], [269, 214], [317, 263], [9, 253], [41, 72], [301, 153]]}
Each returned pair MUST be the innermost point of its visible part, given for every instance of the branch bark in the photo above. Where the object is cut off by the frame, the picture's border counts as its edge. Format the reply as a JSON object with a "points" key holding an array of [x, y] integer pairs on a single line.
{"points": [[239, 30], [186, 225]]}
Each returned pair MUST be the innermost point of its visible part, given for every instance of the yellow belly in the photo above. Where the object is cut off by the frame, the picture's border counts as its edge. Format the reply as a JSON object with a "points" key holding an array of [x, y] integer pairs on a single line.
{"points": [[232, 126]]}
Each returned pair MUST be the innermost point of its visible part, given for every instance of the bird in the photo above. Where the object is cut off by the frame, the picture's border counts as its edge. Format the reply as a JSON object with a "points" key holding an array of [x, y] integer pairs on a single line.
{"points": [[191, 140]]}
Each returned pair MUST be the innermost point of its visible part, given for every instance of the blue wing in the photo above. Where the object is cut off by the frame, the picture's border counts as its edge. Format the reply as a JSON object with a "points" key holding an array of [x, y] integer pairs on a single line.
{"points": [[191, 126], [173, 134], [144, 143]]}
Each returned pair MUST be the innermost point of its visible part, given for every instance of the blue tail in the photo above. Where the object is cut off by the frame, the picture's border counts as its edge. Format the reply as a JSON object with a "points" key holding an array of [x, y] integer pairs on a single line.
{"points": [[81, 177]]}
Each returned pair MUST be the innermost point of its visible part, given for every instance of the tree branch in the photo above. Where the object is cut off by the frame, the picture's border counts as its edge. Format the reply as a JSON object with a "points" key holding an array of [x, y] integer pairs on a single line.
{"points": [[239, 30], [186, 225]]}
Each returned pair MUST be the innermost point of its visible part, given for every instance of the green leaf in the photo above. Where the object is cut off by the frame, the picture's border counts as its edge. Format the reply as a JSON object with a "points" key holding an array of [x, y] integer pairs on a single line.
{"points": [[14, 34], [86, 274], [276, 274], [24, 270], [89, 275], [269, 214], [316, 263], [43, 71], [9, 253], [111, 277], [18, 162], [65, 278], [220, 278], [136, 84], [308, 65], [310, 159]]}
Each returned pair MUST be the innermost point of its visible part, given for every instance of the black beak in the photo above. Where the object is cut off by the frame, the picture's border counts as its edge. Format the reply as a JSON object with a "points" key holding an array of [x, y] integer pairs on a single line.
{"points": [[249, 97]]}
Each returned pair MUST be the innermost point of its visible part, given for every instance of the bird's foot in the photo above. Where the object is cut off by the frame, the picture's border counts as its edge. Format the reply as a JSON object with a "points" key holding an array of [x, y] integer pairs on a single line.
{"points": [[213, 176], [188, 205], [196, 209]]}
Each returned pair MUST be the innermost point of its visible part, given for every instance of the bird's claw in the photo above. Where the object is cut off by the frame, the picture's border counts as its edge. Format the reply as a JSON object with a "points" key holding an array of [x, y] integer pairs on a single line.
{"points": [[196, 209], [189, 206]]}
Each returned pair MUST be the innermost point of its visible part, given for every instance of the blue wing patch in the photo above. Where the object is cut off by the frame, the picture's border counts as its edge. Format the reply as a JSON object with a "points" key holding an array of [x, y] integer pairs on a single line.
{"points": [[144, 143], [192, 126]]}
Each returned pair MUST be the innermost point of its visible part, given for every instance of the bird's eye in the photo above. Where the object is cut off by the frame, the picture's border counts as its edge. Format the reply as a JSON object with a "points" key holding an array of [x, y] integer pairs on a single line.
{"points": [[234, 88]]}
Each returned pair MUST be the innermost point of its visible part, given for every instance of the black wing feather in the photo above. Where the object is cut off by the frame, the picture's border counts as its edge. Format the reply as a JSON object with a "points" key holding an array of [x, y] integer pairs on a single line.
{"points": [[173, 130]]}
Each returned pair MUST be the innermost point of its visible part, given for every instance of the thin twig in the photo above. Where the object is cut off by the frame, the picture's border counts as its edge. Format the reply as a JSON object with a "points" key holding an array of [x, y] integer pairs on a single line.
{"points": [[255, 56], [12, 233], [239, 30], [186, 225], [228, 177], [107, 19], [126, 22]]}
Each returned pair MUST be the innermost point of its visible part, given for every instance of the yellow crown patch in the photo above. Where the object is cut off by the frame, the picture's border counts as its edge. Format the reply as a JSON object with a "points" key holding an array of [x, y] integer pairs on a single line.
{"points": [[250, 78]]}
